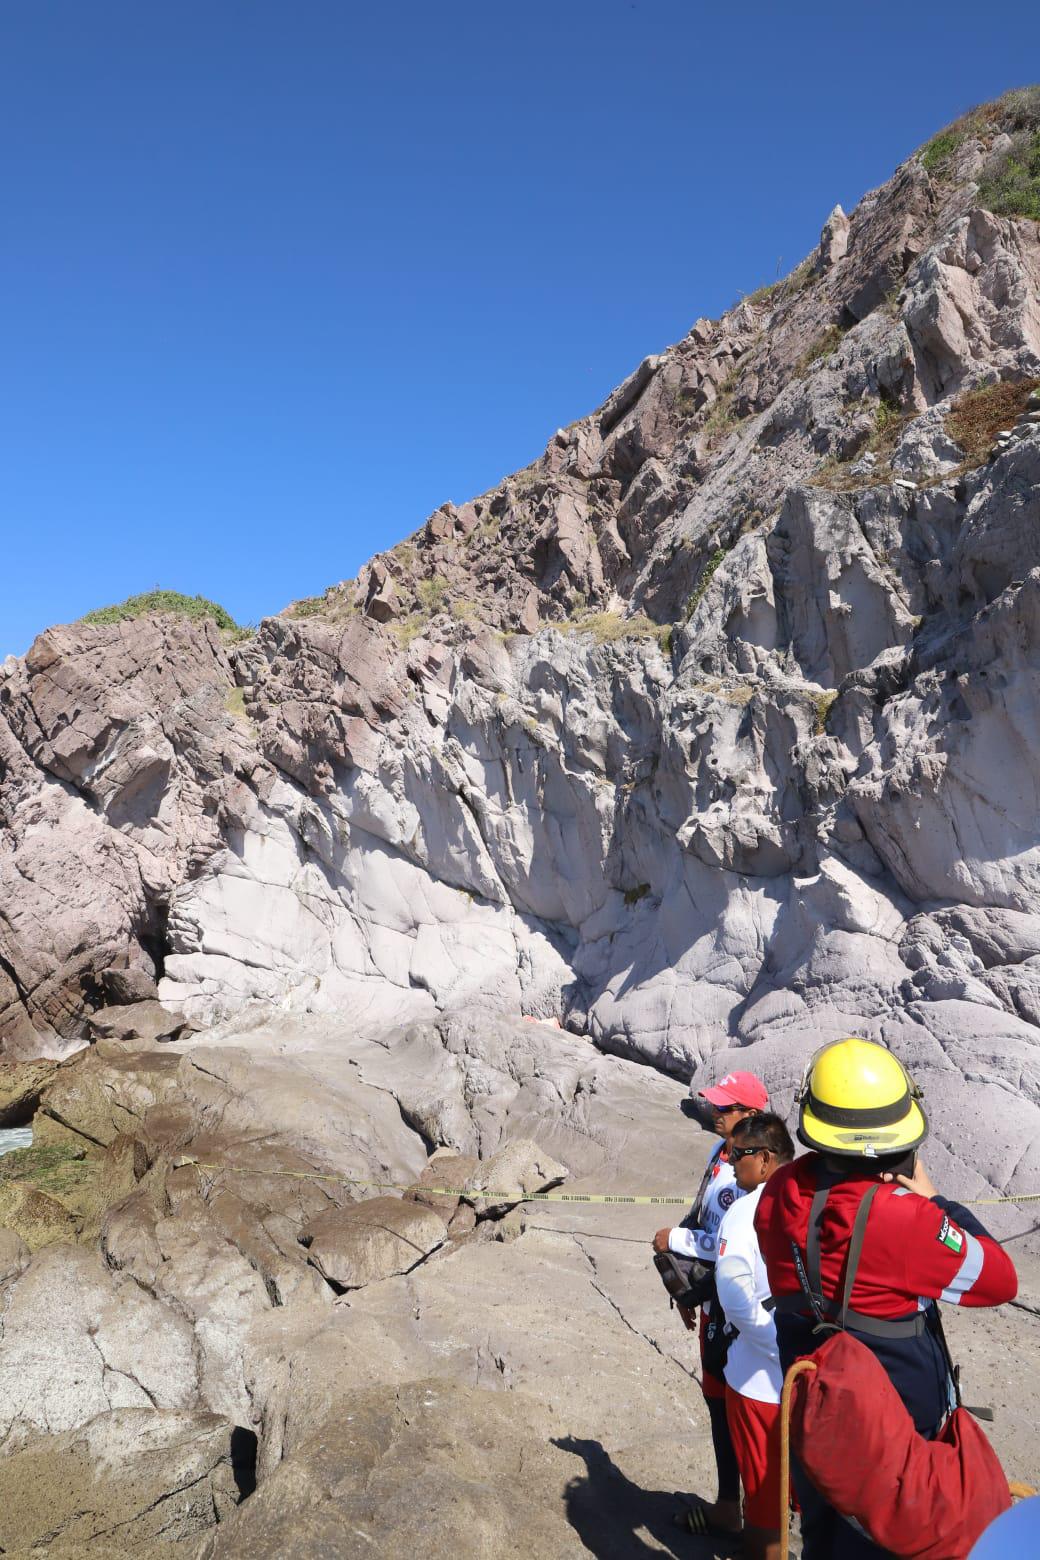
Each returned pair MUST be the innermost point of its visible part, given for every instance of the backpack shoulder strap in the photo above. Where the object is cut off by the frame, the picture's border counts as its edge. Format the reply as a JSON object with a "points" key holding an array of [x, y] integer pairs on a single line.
{"points": [[812, 1239], [692, 1219], [825, 1180], [830, 1315], [859, 1230]]}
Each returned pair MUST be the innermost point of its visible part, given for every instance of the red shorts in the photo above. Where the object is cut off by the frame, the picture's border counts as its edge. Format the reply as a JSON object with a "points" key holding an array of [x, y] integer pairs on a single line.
{"points": [[712, 1386], [755, 1432]]}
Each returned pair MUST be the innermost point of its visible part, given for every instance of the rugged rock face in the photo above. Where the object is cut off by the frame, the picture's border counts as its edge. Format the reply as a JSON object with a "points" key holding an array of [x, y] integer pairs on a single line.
{"points": [[766, 775], [708, 737], [517, 1384]]}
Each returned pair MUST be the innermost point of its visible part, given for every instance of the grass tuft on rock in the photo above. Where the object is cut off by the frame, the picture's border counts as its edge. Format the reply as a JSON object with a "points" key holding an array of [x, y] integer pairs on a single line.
{"points": [[822, 347], [1012, 189], [697, 594], [608, 627], [836, 475], [235, 703], [163, 601], [433, 594], [1016, 113], [822, 704], [975, 418], [307, 606], [941, 147], [62, 1170]]}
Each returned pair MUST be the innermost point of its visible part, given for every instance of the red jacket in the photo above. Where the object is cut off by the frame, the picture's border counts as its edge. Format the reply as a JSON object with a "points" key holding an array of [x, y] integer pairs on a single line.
{"points": [[915, 1248]]}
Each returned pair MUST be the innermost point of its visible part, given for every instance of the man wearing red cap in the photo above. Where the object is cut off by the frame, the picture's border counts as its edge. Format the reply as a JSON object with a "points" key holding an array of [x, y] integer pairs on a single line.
{"points": [[735, 1096]]}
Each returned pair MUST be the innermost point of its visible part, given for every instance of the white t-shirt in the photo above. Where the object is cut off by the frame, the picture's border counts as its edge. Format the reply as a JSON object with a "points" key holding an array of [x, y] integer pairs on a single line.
{"points": [[720, 1194], [753, 1364]]}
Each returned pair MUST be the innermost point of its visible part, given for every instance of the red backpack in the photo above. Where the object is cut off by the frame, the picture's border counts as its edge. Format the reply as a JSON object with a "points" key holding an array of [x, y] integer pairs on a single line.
{"points": [[853, 1435], [929, 1500]]}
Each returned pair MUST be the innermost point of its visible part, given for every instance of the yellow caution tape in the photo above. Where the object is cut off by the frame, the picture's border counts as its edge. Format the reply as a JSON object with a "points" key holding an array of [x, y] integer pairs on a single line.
{"points": [[609, 1198], [456, 1191], [975, 1202]]}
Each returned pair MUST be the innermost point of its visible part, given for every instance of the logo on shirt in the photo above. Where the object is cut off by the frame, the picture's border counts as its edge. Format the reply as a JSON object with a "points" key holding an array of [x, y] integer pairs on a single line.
{"points": [[726, 1197], [950, 1236], [722, 1247]]}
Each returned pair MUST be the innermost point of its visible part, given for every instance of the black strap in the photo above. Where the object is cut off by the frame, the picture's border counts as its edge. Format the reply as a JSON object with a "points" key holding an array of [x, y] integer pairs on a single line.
{"points": [[825, 1181], [693, 1218], [812, 1240], [855, 1251], [830, 1316], [808, 1294], [827, 1313]]}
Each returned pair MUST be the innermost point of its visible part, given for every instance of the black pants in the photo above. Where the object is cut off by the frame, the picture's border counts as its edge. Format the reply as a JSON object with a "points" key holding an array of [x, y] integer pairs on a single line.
{"points": [[725, 1456]]}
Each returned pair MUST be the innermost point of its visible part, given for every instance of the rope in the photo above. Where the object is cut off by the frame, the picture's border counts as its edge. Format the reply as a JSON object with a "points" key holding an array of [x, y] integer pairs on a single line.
{"points": [[607, 1198], [785, 1452]]}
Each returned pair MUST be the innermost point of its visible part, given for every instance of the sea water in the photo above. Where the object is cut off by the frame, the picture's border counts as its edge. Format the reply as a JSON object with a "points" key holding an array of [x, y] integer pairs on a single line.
{"points": [[14, 1137]]}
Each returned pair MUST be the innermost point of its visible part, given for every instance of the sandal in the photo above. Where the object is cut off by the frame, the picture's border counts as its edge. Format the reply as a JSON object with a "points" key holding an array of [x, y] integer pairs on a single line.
{"points": [[696, 1518]]}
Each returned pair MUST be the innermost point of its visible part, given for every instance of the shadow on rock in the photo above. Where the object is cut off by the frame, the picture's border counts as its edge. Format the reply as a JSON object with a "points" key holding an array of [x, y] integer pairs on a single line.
{"points": [[617, 1520], [243, 1460]]}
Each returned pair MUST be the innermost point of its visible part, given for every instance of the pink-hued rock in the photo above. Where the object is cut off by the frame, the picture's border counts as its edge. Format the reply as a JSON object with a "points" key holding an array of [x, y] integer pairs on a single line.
{"points": [[366, 1241]]}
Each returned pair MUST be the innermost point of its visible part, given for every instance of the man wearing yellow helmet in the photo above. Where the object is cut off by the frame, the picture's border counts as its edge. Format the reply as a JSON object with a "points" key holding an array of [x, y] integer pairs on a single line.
{"points": [[862, 1202]]}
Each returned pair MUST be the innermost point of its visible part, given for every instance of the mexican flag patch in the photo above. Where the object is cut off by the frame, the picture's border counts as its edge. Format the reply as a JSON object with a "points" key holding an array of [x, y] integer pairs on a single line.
{"points": [[950, 1236]]}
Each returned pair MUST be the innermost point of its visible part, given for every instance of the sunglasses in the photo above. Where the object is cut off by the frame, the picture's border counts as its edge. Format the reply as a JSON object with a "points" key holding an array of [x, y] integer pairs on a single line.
{"points": [[737, 1154]]}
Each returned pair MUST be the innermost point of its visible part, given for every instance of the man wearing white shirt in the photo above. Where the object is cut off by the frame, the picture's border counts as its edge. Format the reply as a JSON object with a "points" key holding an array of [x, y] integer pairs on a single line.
{"points": [[759, 1145], [735, 1096]]}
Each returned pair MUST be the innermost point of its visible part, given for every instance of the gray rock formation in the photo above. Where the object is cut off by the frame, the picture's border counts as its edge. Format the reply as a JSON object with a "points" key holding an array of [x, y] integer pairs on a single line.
{"points": [[372, 1239], [724, 835], [425, 1469]]}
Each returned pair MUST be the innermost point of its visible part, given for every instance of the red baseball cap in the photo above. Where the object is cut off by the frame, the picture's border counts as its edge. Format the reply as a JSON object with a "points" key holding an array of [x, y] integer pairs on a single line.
{"points": [[738, 1088]]}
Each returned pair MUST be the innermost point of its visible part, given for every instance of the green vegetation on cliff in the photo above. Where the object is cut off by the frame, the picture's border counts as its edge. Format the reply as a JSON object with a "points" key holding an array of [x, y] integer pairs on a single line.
{"points": [[1010, 184], [1013, 189], [164, 601]]}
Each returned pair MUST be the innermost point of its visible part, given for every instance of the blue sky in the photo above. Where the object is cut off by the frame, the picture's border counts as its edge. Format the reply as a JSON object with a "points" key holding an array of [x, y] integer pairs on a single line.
{"points": [[279, 278]]}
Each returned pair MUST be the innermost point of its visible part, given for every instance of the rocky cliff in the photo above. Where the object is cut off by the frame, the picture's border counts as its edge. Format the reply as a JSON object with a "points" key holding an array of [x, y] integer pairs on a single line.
{"points": [[710, 735], [713, 729]]}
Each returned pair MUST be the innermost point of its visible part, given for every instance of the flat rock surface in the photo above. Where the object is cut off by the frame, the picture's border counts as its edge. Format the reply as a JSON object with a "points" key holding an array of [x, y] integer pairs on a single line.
{"points": [[128, 1481], [425, 1469]]}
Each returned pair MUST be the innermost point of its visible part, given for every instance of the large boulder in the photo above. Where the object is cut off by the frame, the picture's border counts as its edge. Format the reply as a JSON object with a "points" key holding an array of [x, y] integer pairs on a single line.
{"points": [[374, 1239], [510, 1174], [77, 1340], [152, 1477], [21, 1084]]}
